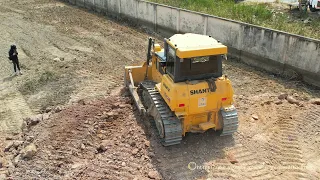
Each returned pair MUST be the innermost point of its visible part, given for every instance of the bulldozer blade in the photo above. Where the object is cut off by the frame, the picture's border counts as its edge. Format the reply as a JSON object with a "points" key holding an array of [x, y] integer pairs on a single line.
{"points": [[134, 94], [136, 99]]}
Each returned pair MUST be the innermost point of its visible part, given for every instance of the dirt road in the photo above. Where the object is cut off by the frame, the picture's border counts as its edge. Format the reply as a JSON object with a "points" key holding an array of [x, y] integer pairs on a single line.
{"points": [[75, 59]]}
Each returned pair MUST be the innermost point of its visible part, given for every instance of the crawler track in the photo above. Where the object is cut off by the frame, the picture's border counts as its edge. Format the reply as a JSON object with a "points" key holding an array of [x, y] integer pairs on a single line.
{"points": [[168, 125], [230, 122]]}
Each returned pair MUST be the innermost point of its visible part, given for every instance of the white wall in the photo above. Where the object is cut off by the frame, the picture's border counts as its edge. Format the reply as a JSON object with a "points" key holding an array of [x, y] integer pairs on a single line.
{"points": [[272, 50]]}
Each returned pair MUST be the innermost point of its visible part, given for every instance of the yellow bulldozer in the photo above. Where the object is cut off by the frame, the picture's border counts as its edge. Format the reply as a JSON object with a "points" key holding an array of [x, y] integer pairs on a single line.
{"points": [[181, 86]]}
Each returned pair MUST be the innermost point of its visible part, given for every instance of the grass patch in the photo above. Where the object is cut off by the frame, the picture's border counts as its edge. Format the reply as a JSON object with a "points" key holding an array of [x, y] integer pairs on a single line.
{"points": [[254, 13]]}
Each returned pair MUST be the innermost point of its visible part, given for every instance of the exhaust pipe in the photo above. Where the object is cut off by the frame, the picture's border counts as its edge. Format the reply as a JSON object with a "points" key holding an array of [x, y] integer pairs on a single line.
{"points": [[149, 56]]}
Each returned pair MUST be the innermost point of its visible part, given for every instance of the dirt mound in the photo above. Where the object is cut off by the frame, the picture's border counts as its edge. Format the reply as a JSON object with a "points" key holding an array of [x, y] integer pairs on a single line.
{"points": [[89, 140]]}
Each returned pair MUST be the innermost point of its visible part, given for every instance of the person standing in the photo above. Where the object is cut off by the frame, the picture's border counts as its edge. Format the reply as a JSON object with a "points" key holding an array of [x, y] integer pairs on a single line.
{"points": [[13, 56]]}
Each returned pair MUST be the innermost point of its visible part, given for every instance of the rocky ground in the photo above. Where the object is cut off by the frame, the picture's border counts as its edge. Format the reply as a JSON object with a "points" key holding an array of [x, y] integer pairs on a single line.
{"points": [[86, 140], [68, 116]]}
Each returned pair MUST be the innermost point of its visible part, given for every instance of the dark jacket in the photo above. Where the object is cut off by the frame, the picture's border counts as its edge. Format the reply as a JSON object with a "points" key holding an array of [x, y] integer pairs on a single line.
{"points": [[13, 57]]}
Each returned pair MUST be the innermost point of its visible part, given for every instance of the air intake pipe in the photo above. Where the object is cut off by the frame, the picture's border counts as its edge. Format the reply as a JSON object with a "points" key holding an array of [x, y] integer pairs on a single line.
{"points": [[149, 56]]}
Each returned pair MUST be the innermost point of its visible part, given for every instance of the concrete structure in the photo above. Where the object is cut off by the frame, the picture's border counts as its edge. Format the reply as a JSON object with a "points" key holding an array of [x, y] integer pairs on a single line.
{"points": [[275, 51]]}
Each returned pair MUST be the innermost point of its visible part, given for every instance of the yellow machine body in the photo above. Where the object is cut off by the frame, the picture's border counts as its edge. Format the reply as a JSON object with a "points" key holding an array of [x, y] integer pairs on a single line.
{"points": [[193, 102]]}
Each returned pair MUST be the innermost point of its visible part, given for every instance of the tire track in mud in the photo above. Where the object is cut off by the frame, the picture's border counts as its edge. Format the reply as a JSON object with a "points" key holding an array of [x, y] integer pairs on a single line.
{"points": [[222, 170], [286, 145], [95, 87], [310, 129], [249, 165], [13, 109]]}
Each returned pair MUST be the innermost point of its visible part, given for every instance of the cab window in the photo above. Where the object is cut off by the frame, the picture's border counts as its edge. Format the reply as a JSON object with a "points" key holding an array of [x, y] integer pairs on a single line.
{"points": [[200, 66], [171, 58]]}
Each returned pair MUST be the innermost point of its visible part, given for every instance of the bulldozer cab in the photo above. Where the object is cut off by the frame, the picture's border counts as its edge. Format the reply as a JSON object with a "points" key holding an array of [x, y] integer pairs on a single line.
{"points": [[188, 57]]}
